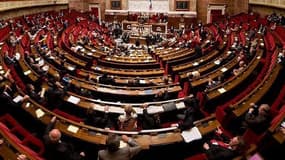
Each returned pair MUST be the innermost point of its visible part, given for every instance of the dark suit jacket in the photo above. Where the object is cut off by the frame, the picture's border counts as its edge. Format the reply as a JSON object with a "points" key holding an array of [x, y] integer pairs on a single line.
{"points": [[59, 150], [258, 123], [148, 121], [217, 152]]}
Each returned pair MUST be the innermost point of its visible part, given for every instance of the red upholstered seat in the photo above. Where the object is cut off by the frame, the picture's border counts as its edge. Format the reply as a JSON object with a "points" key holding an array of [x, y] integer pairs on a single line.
{"points": [[9, 121], [67, 115], [199, 156], [34, 144]]}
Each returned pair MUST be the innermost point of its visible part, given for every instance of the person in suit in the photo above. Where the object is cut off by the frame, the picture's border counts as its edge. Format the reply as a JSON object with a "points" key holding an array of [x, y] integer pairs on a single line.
{"points": [[257, 118], [105, 79], [190, 114], [149, 121], [96, 119], [221, 147], [161, 95], [113, 150], [56, 149]]}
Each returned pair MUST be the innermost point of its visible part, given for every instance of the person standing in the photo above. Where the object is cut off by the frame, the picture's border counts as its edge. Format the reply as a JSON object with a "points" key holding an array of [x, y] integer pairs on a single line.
{"points": [[113, 150], [56, 149]]}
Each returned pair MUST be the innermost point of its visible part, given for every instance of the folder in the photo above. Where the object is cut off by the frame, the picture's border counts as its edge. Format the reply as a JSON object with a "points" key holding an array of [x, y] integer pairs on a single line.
{"points": [[191, 135], [73, 99], [17, 99], [72, 128], [222, 90], [39, 113]]}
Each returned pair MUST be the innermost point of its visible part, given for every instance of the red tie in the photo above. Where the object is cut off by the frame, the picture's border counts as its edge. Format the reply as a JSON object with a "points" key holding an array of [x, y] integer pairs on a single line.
{"points": [[220, 143]]}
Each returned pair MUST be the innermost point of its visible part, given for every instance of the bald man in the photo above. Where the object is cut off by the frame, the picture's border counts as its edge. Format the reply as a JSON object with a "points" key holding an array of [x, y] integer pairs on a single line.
{"points": [[57, 149]]}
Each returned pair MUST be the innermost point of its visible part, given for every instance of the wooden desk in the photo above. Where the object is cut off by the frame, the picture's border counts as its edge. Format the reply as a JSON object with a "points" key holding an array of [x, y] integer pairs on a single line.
{"points": [[7, 153], [155, 80], [98, 135], [128, 72], [244, 104], [128, 91], [274, 128], [188, 65], [235, 81]]}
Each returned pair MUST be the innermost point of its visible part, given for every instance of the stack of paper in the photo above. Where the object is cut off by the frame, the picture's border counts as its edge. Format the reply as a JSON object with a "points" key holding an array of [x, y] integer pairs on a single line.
{"points": [[222, 90], [72, 128], [40, 113], [224, 69], [17, 99], [73, 99], [180, 105], [154, 109], [191, 135], [27, 72]]}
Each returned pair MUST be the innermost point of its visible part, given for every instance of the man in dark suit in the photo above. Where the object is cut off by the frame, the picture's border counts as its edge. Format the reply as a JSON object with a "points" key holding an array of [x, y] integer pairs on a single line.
{"points": [[57, 149], [221, 147], [190, 114], [258, 118], [114, 152], [149, 121]]}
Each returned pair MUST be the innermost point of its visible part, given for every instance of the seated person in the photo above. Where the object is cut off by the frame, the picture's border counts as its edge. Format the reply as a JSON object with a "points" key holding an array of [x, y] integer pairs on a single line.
{"points": [[257, 118], [149, 121], [240, 68], [35, 95], [193, 75], [161, 95], [96, 119], [105, 79], [190, 114], [211, 84], [221, 147], [128, 121], [56, 149]]}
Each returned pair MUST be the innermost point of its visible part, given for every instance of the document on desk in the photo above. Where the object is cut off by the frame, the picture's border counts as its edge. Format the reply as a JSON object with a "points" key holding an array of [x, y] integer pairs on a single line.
{"points": [[141, 81], [99, 108], [148, 91], [217, 62], [73, 99], [195, 64], [72, 128], [27, 72], [224, 69], [17, 99], [116, 109], [222, 90], [154, 109], [39, 113], [191, 135], [180, 105]]}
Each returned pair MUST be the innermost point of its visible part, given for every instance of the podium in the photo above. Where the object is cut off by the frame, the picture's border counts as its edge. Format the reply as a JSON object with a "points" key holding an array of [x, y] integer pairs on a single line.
{"points": [[142, 29]]}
